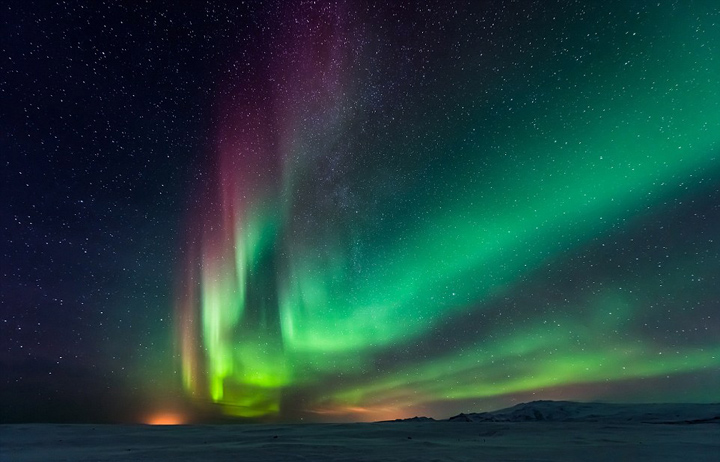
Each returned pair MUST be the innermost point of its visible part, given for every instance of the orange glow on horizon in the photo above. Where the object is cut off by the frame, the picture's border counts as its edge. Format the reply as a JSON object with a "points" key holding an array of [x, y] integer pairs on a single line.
{"points": [[166, 418], [360, 413]]}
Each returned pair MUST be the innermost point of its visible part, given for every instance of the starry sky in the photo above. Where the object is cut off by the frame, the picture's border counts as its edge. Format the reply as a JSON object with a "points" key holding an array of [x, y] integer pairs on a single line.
{"points": [[348, 210]]}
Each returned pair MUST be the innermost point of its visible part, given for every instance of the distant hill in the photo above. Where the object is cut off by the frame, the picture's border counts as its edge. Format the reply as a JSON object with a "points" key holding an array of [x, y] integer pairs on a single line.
{"points": [[569, 411], [413, 419]]}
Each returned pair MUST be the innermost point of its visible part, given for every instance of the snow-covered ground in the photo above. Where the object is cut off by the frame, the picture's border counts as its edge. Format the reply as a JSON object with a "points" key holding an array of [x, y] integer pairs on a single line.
{"points": [[542, 439]]}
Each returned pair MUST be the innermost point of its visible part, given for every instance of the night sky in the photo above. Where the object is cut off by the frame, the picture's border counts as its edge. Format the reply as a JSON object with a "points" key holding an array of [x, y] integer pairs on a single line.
{"points": [[342, 211]]}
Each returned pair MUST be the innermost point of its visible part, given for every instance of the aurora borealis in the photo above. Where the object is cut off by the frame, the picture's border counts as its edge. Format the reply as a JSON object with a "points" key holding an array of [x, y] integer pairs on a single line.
{"points": [[404, 214], [353, 210]]}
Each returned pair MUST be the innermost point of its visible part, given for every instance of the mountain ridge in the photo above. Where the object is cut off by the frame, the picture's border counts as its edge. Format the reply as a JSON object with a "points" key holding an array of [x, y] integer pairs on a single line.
{"points": [[573, 411]]}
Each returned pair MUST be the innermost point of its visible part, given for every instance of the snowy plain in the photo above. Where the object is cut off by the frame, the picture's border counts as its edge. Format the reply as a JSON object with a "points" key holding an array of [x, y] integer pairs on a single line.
{"points": [[676, 432]]}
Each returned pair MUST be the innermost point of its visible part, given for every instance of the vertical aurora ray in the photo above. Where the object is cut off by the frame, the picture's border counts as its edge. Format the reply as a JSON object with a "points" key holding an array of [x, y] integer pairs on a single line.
{"points": [[362, 203]]}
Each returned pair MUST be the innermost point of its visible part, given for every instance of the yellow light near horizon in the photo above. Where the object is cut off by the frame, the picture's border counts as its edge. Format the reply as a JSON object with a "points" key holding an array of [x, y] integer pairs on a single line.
{"points": [[166, 418]]}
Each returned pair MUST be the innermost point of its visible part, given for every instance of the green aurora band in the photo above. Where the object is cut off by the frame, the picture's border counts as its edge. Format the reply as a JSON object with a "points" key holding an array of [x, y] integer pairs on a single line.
{"points": [[510, 225]]}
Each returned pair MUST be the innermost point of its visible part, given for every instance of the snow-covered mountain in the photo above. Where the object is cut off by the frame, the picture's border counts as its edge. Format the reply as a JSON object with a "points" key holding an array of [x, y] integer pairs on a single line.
{"points": [[569, 411]]}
